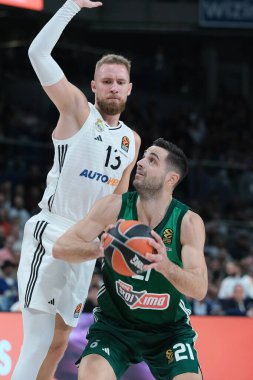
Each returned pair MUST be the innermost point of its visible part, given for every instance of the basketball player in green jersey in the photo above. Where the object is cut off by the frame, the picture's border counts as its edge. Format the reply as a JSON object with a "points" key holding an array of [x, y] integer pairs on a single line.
{"points": [[145, 317]]}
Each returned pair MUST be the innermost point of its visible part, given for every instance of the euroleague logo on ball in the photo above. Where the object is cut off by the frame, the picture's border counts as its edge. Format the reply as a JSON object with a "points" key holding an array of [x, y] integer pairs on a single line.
{"points": [[126, 245]]}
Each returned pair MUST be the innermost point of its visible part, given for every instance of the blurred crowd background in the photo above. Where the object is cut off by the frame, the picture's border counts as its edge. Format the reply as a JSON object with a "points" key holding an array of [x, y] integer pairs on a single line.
{"points": [[192, 85]]}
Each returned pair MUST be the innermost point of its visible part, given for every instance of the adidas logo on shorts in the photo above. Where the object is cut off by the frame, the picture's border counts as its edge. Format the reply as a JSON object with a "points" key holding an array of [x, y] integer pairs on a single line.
{"points": [[106, 350], [51, 302]]}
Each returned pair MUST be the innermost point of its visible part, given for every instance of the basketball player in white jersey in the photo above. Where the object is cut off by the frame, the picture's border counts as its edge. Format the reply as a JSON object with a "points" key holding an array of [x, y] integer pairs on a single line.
{"points": [[94, 155]]}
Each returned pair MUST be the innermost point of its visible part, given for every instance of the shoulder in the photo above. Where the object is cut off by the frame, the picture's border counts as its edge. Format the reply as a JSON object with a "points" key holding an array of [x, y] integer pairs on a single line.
{"points": [[180, 206], [137, 138], [137, 141], [192, 226], [94, 109], [192, 217]]}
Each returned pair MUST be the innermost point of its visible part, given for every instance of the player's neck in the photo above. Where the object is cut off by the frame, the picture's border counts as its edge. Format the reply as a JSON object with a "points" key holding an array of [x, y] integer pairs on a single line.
{"points": [[111, 120], [152, 212]]}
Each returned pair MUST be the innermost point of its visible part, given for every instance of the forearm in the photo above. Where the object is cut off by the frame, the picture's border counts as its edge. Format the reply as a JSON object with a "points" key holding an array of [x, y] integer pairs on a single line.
{"points": [[76, 251], [190, 282], [47, 70]]}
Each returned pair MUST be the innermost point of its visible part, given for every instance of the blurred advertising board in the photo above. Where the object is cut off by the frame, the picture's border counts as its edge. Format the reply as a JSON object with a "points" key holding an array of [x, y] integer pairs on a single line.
{"points": [[37, 5], [226, 13], [10, 341], [224, 347]]}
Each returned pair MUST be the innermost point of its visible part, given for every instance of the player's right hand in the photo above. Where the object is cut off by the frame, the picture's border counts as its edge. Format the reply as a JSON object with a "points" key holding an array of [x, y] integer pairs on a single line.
{"points": [[88, 3]]}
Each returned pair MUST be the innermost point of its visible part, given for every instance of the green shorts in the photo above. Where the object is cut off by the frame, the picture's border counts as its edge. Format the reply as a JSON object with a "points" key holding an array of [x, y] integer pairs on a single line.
{"points": [[167, 353]]}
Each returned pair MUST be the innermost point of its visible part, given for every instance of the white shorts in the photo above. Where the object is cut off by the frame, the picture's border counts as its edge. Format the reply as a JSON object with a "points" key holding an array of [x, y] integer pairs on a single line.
{"points": [[49, 284]]}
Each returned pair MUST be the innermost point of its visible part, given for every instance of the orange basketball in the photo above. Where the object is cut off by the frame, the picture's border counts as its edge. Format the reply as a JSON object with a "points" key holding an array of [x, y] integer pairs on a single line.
{"points": [[126, 246]]}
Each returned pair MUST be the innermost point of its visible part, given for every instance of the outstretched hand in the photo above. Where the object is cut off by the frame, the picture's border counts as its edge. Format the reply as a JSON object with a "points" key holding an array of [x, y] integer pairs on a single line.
{"points": [[88, 3]]}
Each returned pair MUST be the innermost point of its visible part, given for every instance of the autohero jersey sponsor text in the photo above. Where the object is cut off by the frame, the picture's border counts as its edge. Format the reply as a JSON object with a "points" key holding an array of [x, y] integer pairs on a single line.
{"points": [[99, 177], [141, 299]]}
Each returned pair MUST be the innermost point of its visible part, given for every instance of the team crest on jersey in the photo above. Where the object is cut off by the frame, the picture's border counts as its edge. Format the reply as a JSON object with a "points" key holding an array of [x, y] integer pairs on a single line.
{"points": [[99, 125], [169, 355], [167, 236], [78, 310], [125, 143]]}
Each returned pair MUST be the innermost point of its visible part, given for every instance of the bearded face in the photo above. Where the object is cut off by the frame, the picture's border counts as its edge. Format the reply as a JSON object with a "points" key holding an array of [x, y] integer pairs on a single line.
{"points": [[149, 187], [111, 106]]}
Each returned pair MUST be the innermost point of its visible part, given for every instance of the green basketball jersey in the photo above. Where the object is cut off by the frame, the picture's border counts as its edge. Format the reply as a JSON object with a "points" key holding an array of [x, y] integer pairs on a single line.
{"points": [[148, 298]]}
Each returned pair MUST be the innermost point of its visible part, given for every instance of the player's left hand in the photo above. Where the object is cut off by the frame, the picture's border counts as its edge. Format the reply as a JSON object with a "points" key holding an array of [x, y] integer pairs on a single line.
{"points": [[109, 227], [159, 259]]}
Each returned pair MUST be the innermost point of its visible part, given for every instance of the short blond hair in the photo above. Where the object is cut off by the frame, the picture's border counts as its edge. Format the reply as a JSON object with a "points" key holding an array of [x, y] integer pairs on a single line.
{"points": [[114, 59]]}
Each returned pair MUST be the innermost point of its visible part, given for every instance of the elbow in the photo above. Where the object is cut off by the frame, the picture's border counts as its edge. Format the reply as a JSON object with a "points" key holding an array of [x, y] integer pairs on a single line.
{"points": [[35, 53], [201, 290], [32, 52], [201, 293], [200, 296]]}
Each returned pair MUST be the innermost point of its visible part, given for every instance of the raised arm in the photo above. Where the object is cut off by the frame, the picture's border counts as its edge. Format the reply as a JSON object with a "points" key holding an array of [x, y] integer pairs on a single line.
{"points": [[69, 100], [191, 280], [125, 179], [77, 244]]}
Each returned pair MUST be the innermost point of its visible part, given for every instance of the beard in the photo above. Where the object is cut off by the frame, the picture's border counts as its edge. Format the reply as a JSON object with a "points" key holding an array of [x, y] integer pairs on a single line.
{"points": [[149, 188], [111, 108]]}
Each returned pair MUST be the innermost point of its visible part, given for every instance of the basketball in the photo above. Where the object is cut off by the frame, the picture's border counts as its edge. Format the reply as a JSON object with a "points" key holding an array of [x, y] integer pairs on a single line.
{"points": [[126, 245]]}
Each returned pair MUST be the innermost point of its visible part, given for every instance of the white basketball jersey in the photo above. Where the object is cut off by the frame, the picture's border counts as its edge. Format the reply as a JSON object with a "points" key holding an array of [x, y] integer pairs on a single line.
{"points": [[87, 166]]}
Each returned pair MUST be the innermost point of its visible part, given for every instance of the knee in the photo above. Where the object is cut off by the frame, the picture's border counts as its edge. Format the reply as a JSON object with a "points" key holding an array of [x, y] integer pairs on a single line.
{"points": [[58, 347], [95, 367]]}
